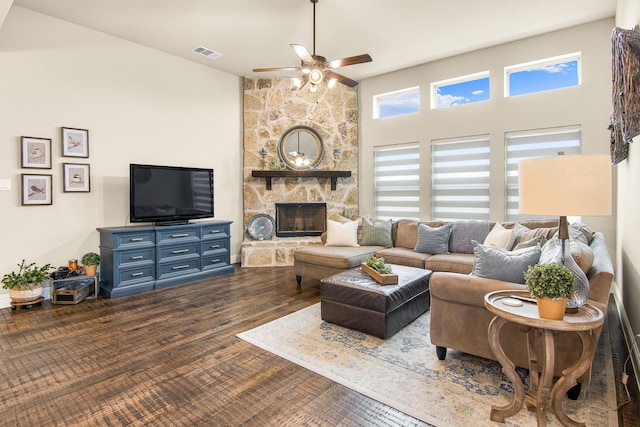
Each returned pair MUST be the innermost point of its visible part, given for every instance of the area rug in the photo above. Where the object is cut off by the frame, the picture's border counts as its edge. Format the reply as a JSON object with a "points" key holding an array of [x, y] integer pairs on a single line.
{"points": [[403, 372]]}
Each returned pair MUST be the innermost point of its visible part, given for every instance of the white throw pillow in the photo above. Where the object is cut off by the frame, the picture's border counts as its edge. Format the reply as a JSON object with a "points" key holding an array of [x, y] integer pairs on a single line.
{"points": [[342, 234], [500, 237]]}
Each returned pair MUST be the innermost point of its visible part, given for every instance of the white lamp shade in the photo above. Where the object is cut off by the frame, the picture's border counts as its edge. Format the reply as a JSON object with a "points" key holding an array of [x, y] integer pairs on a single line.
{"points": [[565, 185]]}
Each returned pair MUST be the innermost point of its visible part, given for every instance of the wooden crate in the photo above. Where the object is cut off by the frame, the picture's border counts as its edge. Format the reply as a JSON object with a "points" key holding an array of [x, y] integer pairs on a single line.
{"points": [[72, 293]]}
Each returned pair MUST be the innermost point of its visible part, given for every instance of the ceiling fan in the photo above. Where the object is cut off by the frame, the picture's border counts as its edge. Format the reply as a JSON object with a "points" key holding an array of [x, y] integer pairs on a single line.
{"points": [[316, 68]]}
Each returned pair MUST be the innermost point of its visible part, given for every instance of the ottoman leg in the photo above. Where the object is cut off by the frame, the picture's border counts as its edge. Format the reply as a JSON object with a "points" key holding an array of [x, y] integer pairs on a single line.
{"points": [[299, 281], [441, 352]]}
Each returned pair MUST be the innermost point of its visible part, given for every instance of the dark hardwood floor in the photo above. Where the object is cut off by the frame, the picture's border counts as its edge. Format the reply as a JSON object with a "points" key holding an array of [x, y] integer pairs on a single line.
{"points": [[171, 358]]}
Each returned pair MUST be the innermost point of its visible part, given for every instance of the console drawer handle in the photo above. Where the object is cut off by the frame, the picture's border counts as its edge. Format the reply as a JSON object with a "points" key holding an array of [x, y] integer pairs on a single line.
{"points": [[215, 246], [214, 231], [136, 239], [180, 267], [137, 257], [136, 274], [215, 260], [180, 251], [180, 235]]}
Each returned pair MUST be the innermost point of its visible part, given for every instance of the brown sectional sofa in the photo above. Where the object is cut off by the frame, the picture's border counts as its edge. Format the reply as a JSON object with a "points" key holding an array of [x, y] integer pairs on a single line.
{"points": [[459, 319]]}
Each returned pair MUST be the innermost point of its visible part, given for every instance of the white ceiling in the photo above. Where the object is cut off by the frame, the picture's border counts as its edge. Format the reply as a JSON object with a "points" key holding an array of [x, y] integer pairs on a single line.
{"points": [[257, 33]]}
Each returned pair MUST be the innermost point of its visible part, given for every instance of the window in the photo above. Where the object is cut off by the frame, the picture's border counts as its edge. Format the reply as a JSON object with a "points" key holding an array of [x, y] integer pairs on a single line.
{"points": [[546, 74], [397, 182], [460, 175], [461, 90], [396, 103], [533, 144]]}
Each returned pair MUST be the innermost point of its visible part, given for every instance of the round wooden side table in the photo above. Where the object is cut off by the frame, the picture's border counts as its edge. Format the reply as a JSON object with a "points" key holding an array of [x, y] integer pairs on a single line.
{"points": [[542, 392]]}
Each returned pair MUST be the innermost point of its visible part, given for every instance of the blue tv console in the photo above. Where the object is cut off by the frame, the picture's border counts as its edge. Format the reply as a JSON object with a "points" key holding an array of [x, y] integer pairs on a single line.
{"points": [[142, 258]]}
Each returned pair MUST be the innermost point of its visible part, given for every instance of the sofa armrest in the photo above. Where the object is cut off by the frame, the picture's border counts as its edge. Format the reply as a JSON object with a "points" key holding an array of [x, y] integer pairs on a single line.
{"points": [[465, 288]]}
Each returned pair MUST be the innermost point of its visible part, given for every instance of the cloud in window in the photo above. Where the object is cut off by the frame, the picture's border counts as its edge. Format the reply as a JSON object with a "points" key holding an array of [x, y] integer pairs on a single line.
{"points": [[447, 100], [477, 92]]}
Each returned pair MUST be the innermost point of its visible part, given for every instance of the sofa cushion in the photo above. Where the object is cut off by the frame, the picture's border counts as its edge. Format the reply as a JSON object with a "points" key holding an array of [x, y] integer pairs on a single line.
{"points": [[501, 237], [454, 263], [406, 234], [463, 232], [403, 256], [342, 234], [342, 257], [433, 240], [495, 263], [376, 233]]}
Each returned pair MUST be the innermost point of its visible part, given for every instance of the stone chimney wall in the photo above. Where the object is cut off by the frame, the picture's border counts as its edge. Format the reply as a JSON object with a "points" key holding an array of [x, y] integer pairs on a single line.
{"points": [[271, 107]]}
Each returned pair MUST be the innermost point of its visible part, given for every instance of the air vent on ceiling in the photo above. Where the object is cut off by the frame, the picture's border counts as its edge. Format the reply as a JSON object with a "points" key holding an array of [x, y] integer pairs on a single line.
{"points": [[211, 54]]}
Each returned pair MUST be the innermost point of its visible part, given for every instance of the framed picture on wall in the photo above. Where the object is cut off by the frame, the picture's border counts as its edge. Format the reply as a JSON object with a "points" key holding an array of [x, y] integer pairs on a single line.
{"points": [[75, 142], [36, 190], [35, 152], [75, 178]]}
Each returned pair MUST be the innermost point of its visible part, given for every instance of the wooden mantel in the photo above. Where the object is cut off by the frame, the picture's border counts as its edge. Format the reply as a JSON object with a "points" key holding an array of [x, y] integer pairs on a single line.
{"points": [[334, 175]]}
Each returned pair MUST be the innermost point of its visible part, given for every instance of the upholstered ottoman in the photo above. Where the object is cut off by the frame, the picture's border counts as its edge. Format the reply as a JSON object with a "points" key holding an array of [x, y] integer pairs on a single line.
{"points": [[353, 300]]}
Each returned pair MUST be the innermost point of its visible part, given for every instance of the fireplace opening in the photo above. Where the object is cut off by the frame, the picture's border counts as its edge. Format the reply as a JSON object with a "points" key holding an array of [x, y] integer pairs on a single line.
{"points": [[301, 219]]}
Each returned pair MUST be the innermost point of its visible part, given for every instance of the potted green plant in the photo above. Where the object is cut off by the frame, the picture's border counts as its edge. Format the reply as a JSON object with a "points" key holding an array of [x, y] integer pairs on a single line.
{"points": [[90, 260], [26, 284], [552, 285]]}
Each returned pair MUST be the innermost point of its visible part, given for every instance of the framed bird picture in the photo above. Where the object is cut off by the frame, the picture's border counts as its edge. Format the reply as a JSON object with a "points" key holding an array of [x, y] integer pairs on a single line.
{"points": [[75, 142], [35, 152], [36, 190], [76, 178]]}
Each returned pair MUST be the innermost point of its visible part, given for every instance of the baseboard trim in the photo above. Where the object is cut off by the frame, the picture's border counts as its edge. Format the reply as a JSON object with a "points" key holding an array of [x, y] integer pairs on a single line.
{"points": [[629, 336]]}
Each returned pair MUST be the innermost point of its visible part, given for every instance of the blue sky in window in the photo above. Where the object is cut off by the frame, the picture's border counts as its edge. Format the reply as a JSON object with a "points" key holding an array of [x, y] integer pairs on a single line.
{"points": [[463, 93], [397, 105], [548, 77]]}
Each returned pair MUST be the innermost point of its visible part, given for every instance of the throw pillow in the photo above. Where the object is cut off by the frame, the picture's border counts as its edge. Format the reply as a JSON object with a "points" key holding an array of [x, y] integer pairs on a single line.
{"points": [[376, 233], [500, 237], [536, 241], [582, 254], [342, 234], [433, 240], [463, 232], [495, 263]]}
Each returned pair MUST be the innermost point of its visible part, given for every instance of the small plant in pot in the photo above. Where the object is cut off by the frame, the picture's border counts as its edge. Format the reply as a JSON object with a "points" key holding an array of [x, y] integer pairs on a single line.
{"points": [[26, 284], [91, 260], [552, 285]]}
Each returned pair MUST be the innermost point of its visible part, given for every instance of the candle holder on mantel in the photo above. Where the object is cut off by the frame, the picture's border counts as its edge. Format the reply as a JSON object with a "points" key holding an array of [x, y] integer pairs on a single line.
{"points": [[263, 153], [336, 156]]}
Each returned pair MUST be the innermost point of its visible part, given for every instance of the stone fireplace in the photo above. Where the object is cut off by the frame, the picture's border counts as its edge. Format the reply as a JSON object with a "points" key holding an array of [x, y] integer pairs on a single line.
{"points": [[271, 107], [301, 219]]}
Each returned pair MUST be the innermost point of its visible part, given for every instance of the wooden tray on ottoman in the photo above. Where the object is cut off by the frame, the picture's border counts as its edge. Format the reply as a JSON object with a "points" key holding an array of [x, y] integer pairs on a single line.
{"points": [[382, 279]]}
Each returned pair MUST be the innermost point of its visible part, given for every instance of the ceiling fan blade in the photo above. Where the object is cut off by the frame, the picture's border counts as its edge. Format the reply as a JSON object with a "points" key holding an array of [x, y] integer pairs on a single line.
{"points": [[352, 60], [267, 70], [302, 52], [339, 77]]}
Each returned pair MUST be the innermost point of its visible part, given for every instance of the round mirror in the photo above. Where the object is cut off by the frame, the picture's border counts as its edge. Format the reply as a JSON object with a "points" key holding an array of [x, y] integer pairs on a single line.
{"points": [[300, 148]]}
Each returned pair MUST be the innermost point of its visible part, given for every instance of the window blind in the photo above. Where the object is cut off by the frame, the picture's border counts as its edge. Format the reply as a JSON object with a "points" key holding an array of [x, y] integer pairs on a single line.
{"points": [[534, 144], [397, 182], [460, 179]]}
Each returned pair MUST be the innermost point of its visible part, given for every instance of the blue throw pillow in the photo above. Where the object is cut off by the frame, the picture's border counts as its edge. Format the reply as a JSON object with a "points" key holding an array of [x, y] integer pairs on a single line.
{"points": [[433, 240], [495, 263]]}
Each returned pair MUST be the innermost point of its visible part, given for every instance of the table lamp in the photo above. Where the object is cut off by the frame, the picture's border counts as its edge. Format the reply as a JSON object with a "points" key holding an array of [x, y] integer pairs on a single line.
{"points": [[577, 185]]}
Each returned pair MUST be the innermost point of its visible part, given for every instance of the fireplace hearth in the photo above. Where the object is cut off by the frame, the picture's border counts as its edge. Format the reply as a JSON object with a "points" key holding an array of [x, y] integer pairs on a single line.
{"points": [[301, 219]]}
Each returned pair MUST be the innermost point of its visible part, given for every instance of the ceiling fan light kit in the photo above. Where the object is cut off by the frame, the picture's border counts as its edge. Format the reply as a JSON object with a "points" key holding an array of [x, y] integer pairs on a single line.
{"points": [[315, 68]]}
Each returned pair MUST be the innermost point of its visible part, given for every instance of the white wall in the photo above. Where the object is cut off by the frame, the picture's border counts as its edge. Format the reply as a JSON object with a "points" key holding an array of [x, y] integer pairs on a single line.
{"points": [[140, 106], [628, 251], [587, 105]]}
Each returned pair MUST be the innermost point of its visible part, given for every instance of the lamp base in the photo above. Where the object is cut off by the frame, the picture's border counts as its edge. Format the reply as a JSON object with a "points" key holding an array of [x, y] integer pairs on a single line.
{"points": [[562, 255]]}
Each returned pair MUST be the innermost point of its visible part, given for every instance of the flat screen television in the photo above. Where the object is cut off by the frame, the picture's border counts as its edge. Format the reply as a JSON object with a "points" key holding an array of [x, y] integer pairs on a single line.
{"points": [[169, 194]]}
